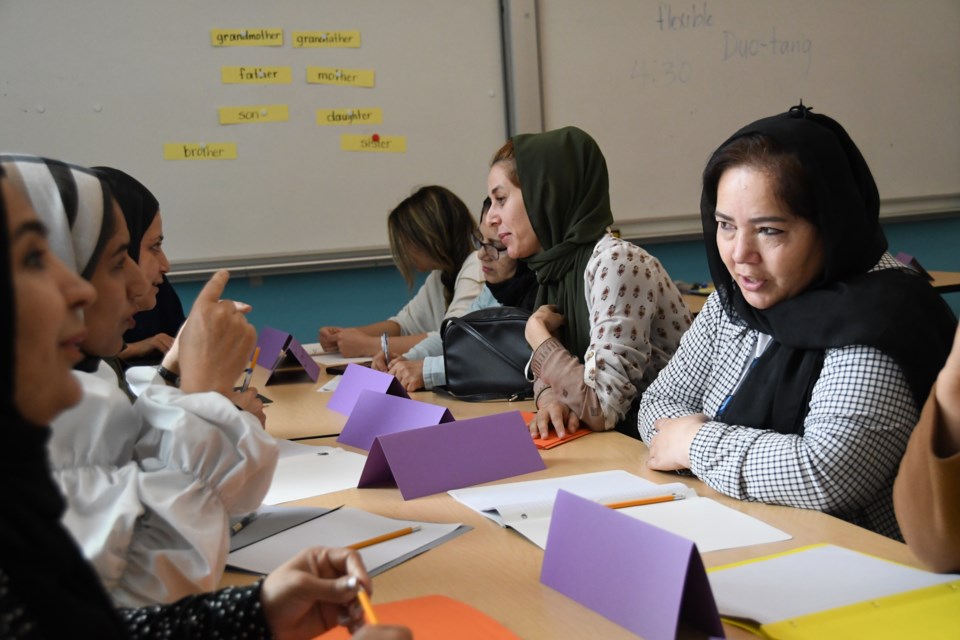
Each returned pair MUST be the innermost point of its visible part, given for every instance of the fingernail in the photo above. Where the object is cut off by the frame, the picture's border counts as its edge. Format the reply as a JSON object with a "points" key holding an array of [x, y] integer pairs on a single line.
{"points": [[352, 582]]}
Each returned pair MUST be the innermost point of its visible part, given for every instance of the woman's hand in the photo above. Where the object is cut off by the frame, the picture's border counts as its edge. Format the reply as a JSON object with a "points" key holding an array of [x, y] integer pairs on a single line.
{"points": [[160, 342], [353, 343], [948, 397], [670, 447], [313, 592], [553, 412], [542, 325], [216, 341], [249, 401], [408, 372], [380, 362], [328, 338]]}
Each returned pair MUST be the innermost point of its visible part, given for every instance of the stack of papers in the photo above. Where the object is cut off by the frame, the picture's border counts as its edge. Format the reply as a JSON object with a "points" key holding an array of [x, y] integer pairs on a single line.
{"points": [[527, 506]]}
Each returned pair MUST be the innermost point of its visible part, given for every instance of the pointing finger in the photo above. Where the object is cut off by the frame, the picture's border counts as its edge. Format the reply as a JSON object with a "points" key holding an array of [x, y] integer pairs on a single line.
{"points": [[213, 290]]}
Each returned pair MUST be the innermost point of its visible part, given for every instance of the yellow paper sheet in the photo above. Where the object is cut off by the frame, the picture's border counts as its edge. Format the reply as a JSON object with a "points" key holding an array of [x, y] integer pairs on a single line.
{"points": [[349, 116], [258, 37], [325, 39], [200, 151], [256, 75], [365, 142], [338, 76], [254, 113]]}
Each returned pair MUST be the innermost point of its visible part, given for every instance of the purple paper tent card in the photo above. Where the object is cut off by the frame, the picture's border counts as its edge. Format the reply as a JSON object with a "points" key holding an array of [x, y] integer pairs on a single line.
{"points": [[452, 455], [639, 576], [285, 357], [376, 414], [355, 379]]}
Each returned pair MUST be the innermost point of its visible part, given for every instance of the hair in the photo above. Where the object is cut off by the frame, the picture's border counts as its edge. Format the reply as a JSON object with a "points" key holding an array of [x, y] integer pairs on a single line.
{"points": [[438, 224], [791, 182], [507, 156]]}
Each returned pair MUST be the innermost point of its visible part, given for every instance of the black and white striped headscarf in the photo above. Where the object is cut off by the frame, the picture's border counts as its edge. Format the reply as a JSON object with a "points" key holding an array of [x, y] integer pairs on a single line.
{"points": [[72, 201]]}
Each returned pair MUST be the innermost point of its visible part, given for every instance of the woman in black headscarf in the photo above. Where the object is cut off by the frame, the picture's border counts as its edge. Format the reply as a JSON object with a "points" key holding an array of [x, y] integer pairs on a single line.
{"points": [[156, 327], [608, 315], [802, 377], [47, 589]]}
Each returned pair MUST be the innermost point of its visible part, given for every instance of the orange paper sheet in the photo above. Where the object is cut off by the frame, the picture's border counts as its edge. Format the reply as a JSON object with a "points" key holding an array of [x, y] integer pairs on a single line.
{"points": [[434, 618], [552, 440]]}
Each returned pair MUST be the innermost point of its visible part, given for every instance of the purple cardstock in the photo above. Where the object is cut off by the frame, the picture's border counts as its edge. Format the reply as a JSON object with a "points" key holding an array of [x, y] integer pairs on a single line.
{"points": [[355, 379], [376, 414], [277, 346], [637, 575], [452, 455]]}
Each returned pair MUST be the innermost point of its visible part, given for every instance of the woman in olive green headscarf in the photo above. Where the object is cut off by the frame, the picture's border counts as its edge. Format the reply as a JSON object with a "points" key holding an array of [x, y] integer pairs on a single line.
{"points": [[609, 316]]}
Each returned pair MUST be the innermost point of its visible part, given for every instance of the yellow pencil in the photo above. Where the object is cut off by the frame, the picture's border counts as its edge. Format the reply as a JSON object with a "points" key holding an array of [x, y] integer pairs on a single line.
{"points": [[643, 501], [249, 372], [367, 607], [387, 536]]}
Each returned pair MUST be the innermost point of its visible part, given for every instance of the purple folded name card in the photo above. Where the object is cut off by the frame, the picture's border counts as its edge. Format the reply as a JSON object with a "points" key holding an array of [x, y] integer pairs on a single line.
{"points": [[639, 576], [452, 455], [285, 357], [376, 414], [355, 379]]}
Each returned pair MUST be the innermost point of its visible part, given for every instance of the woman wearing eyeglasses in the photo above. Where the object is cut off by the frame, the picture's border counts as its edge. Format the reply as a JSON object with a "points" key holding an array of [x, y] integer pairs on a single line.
{"points": [[609, 316], [432, 230], [509, 283]]}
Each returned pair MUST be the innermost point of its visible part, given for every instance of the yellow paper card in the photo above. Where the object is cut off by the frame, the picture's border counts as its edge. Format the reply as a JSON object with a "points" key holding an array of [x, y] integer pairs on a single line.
{"points": [[256, 75], [335, 75], [375, 142], [325, 39], [261, 37], [254, 113], [200, 151], [349, 116]]}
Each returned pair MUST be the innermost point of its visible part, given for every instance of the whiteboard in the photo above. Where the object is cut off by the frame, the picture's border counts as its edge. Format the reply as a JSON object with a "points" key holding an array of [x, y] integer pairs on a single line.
{"points": [[109, 82], [661, 84]]}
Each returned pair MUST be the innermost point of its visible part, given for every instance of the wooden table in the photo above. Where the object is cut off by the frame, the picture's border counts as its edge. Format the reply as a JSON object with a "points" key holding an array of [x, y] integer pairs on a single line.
{"points": [[496, 570]]}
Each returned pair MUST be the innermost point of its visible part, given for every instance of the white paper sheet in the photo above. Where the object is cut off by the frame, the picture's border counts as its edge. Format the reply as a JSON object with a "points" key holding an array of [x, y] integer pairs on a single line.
{"points": [[330, 358], [811, 580], [526, 506], [318, 471], [341, 528]]}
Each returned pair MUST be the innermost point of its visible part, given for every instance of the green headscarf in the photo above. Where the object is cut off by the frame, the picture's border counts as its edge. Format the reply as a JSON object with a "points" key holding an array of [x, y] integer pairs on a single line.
{"points": [[565, 186]]}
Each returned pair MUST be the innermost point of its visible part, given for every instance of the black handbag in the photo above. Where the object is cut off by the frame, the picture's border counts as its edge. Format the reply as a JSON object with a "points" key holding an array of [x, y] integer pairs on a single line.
{"points": [[485, 354]]}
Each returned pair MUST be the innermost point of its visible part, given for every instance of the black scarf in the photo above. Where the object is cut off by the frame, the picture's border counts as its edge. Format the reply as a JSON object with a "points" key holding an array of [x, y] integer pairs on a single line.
{"points": [[48, 574], [138, 205], [520, 290], [896, 312]]}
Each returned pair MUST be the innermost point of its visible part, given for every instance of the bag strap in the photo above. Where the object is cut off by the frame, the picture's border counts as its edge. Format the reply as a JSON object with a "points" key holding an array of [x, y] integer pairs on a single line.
{"points": [[466, 326]]}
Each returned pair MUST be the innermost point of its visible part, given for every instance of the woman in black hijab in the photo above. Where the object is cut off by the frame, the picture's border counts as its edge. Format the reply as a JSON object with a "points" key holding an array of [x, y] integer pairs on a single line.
{"points": [[156, 327], [802, 377], [47, 589]]}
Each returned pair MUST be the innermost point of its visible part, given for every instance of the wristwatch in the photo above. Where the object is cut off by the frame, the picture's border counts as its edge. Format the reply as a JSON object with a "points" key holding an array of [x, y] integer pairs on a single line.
{"points": [[168, 376]]}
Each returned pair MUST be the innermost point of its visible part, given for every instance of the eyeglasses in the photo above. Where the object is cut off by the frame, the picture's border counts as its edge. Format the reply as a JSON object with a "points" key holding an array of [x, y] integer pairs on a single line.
{"points": [[488, 249]]}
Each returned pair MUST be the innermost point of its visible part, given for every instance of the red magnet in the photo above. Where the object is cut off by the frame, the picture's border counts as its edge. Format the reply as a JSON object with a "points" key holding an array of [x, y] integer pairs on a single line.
{"points": [[376, 137]]}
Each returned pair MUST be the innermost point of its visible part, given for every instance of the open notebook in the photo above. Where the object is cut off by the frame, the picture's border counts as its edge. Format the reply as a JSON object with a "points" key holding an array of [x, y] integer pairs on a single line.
{"points": [[527, 506]]}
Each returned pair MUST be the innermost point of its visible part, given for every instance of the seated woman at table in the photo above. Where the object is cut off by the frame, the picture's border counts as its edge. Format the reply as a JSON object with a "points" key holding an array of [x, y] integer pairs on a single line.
{"points": [[141, 210], [508, 282], [800, 381], [48, 589], [136, 476], [431, 230], [926, 495], [608, 315]]}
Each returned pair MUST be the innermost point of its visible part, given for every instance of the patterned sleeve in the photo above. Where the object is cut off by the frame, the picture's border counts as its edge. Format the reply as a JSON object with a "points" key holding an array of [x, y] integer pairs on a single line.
{"points": [[234, 612], [861, 414], [624, 285], [680, 388]]}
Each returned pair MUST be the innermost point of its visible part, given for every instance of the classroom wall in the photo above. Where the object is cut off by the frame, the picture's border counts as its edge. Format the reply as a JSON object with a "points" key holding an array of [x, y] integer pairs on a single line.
{"points": [[300, 303]]}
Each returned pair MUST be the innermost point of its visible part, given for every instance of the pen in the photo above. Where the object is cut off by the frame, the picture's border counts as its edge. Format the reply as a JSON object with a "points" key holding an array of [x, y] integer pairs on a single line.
{"points": [[367, 607], [249, 372], [237, 526], [387, 536], [384, 345], [643, 501]]}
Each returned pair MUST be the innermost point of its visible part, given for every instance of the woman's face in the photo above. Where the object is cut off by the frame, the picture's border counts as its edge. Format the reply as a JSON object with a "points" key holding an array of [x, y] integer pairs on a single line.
{"points": [[153, 261], [49, 328], [771, 254], [508, 215], [122, 291], [495, 269]]}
